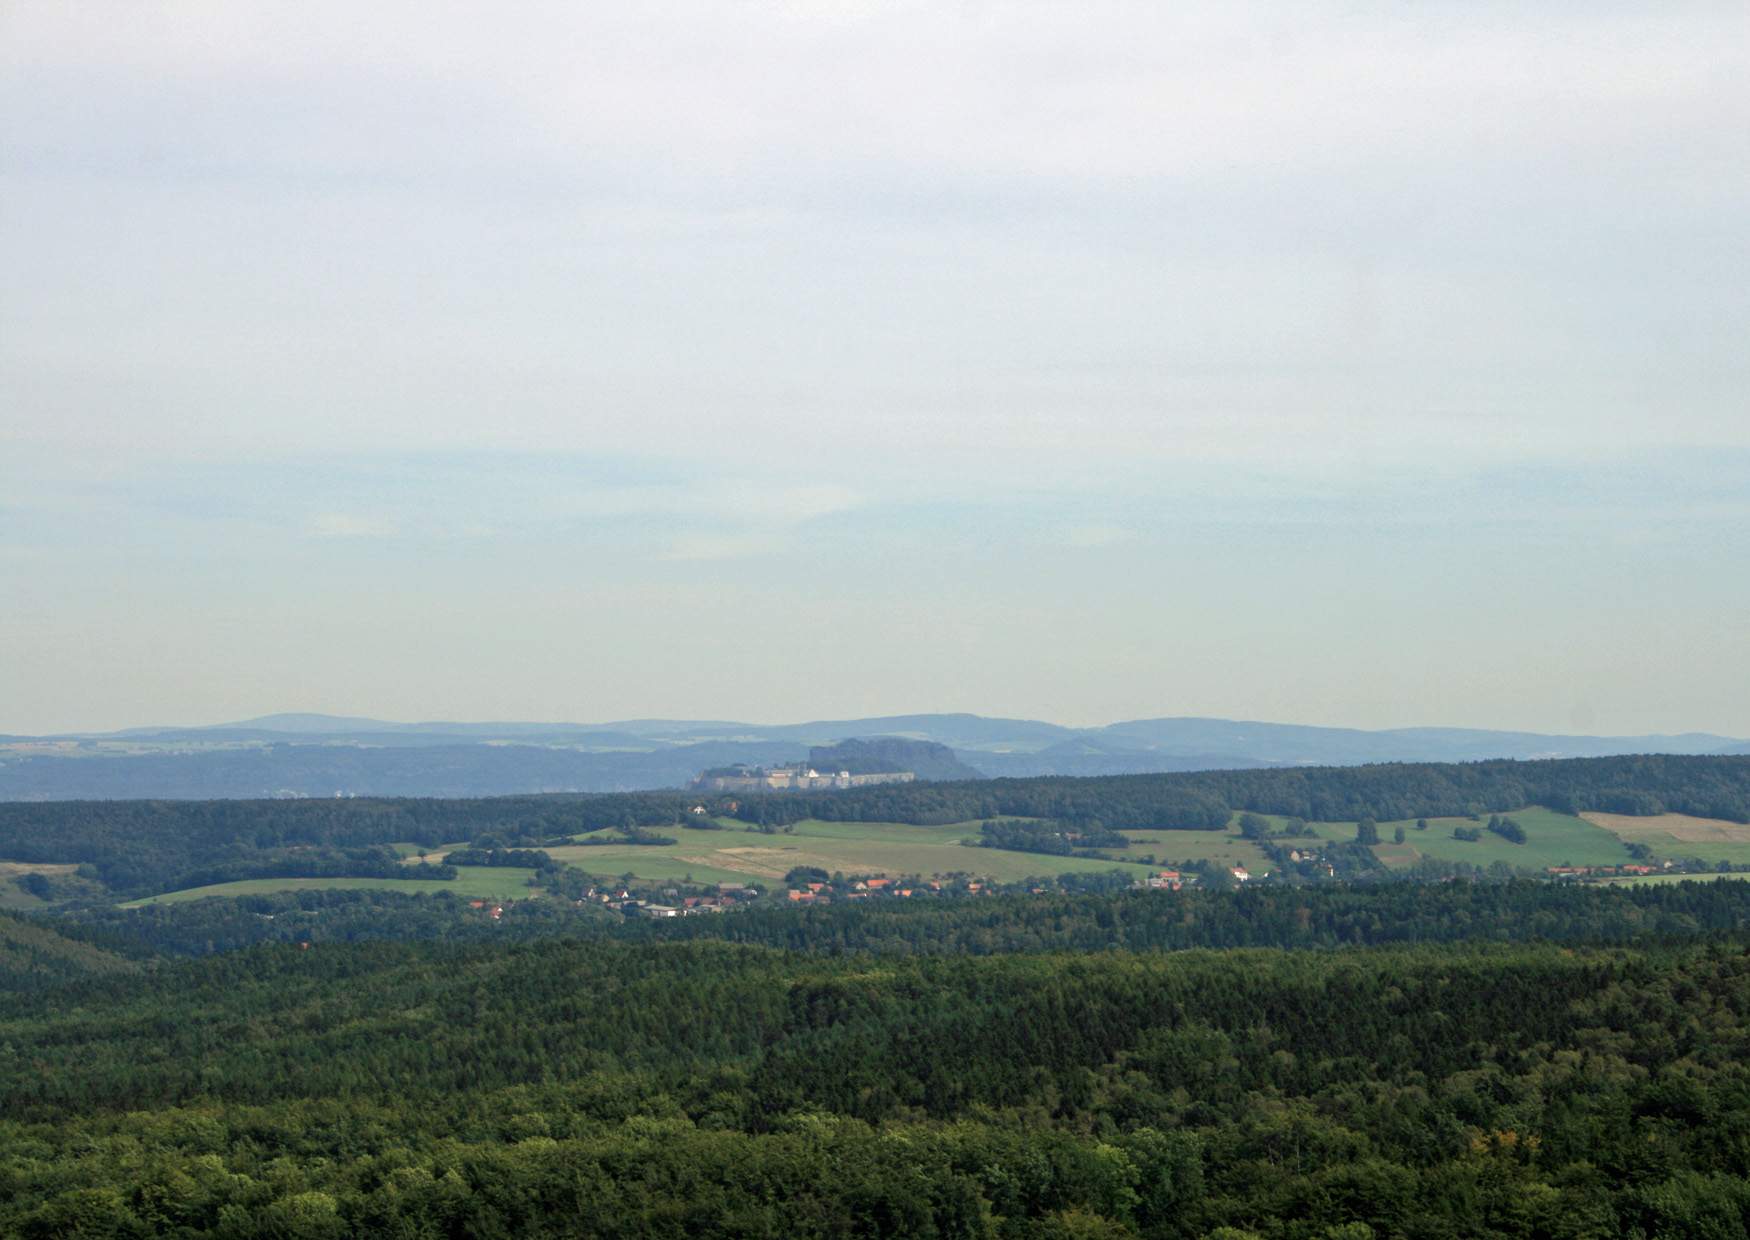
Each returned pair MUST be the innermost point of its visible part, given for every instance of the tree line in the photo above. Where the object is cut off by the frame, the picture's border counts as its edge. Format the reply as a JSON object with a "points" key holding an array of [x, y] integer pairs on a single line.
{"points": [[1322, 917], [142, 847]]}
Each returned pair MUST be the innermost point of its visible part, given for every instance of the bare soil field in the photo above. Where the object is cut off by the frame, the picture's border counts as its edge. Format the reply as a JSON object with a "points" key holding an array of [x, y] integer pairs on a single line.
{"points": [[14, 869]]}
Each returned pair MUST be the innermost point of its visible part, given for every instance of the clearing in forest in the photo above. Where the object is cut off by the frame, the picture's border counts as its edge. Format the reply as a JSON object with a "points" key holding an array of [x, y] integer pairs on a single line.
{"points": [[1551, 839], [472, 882], [738, 853]]}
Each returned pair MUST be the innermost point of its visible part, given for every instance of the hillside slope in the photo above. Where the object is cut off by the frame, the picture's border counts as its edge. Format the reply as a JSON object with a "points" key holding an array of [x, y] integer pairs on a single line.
{"points": [[33, 956]]}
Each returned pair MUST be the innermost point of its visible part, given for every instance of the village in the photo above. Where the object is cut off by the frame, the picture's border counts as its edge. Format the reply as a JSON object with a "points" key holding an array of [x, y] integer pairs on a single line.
{"points": [[812, 887]]}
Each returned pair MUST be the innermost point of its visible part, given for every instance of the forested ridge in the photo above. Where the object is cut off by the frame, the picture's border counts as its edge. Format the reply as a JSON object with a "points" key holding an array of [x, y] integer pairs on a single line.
{"points": [[143, 847], [1709, 787], [592, 1088], [1322, 916], [36, 957]]}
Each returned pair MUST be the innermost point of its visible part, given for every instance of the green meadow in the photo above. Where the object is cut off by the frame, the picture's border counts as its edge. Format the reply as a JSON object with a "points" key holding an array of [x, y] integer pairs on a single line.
{"points": [[15, 899], [1659, 880], [471, 883], [736, 854], [1175, 848], [1551, 839], [1708, 851]]}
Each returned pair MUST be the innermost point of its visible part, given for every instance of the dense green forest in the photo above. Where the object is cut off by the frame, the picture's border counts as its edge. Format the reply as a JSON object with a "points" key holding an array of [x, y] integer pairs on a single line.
{"points": [[1325, 916], [143, 847], [715, 1089], [36, 957], [1393, 1058], [1709, 787]]}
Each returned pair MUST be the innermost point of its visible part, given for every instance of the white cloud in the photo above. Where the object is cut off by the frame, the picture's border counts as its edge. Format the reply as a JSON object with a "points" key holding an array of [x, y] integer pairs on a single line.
{"points": [[957, 239], [816, 276]]}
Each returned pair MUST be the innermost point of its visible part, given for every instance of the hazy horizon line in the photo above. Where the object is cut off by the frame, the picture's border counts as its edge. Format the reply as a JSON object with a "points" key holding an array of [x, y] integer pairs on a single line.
{"points": [[262, 721]]}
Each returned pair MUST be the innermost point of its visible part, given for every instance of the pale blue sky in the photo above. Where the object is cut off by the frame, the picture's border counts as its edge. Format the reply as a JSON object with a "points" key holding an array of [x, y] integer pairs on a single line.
{"points": [[1330, 363]]}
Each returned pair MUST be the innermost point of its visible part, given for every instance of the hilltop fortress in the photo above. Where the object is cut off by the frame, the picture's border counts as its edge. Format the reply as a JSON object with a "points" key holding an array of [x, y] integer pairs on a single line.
{"points": [[853, 763], [797, 777]]}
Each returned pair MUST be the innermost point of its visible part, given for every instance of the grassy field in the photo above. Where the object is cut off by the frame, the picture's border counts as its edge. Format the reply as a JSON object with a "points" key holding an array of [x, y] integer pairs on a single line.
{"points": [[1551, 839], [1657, 880], [739, 855], [471, 882], [1173, 848], [15, 899]]}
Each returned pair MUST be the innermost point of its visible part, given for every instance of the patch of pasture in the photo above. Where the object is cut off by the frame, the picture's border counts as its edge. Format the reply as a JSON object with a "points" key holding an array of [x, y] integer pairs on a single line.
{"points": [[657, 863], [433, 856], [1173, 848], [953, 833], [474, 882], [1551, 839], [15, 899], [890, 848], [1659, 880]]}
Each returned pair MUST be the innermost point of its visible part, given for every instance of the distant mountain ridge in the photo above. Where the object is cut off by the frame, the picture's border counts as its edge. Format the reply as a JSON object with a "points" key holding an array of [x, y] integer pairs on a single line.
{"points": [[883, 754], [324, 755]]}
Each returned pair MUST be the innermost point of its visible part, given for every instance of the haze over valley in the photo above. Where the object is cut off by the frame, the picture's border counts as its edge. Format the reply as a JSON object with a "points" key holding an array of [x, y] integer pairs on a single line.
{"points": [[325, 755]]}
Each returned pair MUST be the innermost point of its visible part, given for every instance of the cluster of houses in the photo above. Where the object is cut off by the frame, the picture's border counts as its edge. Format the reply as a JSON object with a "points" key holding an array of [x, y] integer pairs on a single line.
{"points": [[1308, 858], [1573, 873], [673, 902], [1175, 880], [866, 888]]}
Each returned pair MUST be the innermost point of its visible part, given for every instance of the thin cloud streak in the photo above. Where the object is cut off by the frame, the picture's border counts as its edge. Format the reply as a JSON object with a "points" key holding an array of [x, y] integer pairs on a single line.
{"points": [[955, 354]]}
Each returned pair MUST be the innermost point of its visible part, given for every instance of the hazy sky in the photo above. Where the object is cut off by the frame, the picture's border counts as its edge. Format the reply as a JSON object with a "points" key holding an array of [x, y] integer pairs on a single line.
{"points": [[1365, 364]]}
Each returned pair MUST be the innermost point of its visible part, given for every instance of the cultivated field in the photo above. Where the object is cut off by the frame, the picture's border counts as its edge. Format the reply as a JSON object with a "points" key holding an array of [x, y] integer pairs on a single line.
{"points": [[1679, 835], [471, 882]]}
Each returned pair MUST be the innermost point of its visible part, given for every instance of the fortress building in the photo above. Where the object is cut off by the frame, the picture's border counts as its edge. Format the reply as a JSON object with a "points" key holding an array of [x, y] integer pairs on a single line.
{"points": [[797, 778]]}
